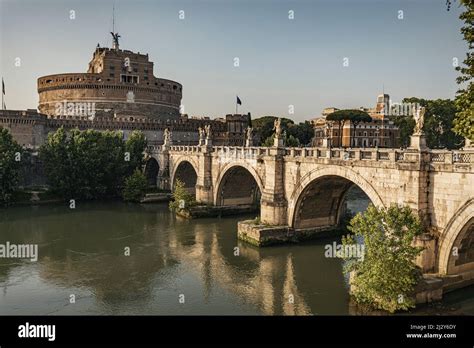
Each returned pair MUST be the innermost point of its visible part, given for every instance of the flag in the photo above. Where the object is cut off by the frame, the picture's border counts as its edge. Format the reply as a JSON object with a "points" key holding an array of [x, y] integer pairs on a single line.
{"points": [[239, 101]]}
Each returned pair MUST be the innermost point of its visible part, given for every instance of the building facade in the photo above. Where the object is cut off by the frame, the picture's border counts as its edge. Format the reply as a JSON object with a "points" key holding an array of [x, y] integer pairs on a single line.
{"points": [[380, 132]]}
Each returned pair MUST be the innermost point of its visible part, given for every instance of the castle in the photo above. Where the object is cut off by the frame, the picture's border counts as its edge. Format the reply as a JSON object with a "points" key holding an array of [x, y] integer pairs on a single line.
{"points": [[118, 92]]}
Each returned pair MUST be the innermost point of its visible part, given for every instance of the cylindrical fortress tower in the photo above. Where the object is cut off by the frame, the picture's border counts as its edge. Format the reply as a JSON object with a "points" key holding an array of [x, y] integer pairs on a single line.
{"points": [[117, 83]]}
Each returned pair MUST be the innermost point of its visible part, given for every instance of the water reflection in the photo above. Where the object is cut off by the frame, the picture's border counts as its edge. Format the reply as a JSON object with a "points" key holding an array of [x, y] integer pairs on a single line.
{"points": [[82, 252]]}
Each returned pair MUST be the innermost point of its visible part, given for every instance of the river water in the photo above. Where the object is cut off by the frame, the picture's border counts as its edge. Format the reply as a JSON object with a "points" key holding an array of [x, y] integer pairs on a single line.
{"points": [[174, 266]]}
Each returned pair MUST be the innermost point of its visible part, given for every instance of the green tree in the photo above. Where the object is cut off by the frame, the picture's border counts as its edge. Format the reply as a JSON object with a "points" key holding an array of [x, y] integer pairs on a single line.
{"points": [[387, 274], [181, 198], [135, 146], [406, 125], [464, 122], [438, 125], [289, 141], [135, 186], [303, 132], [263, 126], [10, 154], [340, 121], [85, 164]]}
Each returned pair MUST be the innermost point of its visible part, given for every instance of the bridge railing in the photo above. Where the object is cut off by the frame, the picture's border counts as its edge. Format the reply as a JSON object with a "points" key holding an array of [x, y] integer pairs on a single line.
{"points": [[345, 154], [240, 152], [452, 156], [362, 154]]}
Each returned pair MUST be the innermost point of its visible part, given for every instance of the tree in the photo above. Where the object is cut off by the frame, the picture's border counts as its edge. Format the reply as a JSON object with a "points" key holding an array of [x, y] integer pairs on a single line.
{"points": [[181, 198], [289, 141], [135, 186], [387, 274], [10, 156], [339, 121], [406, 125], [353, 116], [263, 126], [464, 122], [438, 125], [89, 164], [135, 146], [303, 132]]}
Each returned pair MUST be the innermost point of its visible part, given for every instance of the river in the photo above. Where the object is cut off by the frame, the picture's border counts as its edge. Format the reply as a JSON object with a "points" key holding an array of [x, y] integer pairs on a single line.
{"points": [[174, 266]]}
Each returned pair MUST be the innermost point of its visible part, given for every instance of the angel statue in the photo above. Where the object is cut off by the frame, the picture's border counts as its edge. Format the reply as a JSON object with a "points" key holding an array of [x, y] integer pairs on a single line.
{"points": [[208, 131], [419, 115], [202, 134], [277, 127], [249, 132], [167, 136]]}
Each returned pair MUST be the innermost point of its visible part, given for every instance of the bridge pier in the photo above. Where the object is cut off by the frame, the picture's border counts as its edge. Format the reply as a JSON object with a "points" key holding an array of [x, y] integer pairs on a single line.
{"points": [[164, 181], [273, 203], [204, 188]]}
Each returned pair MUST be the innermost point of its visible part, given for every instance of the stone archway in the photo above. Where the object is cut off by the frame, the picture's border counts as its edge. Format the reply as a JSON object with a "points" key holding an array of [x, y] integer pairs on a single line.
{"points": [[187, 174], [318, 197], [238, 184], [151, 171], [456, 248]]}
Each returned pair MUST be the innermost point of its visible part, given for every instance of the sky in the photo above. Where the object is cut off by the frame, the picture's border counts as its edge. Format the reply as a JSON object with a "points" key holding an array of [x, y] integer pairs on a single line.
{"points": [[283, 62]]}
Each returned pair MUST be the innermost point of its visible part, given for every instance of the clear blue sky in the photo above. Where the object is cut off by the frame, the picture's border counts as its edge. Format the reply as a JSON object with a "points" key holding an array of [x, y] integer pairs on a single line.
{"points": [[282, 61]]}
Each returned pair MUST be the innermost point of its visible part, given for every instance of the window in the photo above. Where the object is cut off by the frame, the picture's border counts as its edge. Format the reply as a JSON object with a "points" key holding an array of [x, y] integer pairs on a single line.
{"points": [[112, 75], [112, 67], [129, 78], [145, 78]]}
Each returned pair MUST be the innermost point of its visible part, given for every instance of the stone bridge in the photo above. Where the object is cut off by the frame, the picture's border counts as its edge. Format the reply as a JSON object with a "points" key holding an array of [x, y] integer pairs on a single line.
{"points": [[303, 189]]}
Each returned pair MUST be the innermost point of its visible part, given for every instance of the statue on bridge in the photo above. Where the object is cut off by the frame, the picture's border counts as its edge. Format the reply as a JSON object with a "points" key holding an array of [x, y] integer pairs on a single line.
{"points": [[419, 115], [202, 135], [167, 137], [249, 137], [277, 127], [208, 131]]}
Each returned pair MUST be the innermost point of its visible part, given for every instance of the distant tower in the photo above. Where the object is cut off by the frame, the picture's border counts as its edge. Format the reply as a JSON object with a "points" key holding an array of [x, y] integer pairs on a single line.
{"points": [[383, 102]]}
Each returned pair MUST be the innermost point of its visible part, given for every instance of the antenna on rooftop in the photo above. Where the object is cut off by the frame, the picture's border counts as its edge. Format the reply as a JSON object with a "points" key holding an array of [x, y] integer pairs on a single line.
{"points": [[115, 36]]}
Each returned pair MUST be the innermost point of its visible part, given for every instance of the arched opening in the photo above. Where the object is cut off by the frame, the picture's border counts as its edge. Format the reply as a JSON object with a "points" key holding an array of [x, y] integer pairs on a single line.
{"points": [[151, 171], [238, 187], [187, 175], [328, 202], [461, 257]]}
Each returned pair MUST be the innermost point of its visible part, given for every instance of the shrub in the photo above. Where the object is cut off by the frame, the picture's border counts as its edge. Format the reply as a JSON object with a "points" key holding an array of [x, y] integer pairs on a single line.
{"points": [[387, 274], [135, 187]]}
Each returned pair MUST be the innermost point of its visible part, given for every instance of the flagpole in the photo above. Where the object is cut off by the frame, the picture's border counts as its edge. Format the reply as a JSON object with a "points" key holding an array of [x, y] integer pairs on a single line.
{"points": [[3, 89]]}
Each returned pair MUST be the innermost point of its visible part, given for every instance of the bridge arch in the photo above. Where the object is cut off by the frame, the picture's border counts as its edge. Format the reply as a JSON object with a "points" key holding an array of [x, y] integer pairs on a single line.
{"points": [[237, 184], [151, 171], [329, 186], [186, 170], [459, 234]]}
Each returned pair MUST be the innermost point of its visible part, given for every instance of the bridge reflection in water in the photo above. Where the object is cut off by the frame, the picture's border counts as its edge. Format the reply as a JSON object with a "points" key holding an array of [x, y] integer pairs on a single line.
{"points": [[81, 252]]}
